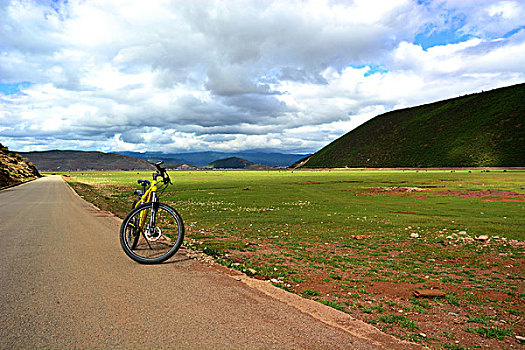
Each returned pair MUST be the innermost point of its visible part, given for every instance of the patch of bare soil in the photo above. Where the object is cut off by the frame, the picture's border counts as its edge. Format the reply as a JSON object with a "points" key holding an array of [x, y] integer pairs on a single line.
{"points": [[126, 189], [302, 183], [484, 193], [378, 191]]}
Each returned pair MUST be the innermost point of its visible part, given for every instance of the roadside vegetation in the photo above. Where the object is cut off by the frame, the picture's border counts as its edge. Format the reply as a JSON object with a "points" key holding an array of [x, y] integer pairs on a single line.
{"points": [[14, 169], [363, 241]]}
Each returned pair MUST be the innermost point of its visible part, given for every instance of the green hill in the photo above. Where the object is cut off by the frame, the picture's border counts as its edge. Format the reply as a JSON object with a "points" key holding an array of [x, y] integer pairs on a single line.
{"points": [[80, 160], [14, 169], [235, 163], [483, 129]]}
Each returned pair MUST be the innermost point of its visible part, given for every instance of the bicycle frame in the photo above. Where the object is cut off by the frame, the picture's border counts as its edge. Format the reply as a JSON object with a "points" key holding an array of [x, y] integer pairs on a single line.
{"points": [[149, 195]]}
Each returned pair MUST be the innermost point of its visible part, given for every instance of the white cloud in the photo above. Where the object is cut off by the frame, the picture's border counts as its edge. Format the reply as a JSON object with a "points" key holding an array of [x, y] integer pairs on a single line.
{"points": [[198, 75], [507, 10]]}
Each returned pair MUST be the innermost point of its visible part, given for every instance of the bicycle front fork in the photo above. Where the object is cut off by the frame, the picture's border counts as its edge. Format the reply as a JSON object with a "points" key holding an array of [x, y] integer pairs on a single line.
{"points": [[154, 210]]}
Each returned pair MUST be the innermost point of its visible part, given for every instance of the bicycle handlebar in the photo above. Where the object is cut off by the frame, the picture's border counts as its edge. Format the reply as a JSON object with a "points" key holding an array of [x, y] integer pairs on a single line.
{"points": [[162, 171]]}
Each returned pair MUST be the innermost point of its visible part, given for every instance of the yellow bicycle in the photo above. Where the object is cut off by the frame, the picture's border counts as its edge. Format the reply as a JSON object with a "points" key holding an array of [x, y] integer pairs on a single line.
{"points": [[153, 231]]}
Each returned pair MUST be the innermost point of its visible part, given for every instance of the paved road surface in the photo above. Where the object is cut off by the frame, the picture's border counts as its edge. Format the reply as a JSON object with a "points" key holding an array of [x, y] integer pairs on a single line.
{"points": [[65, 283]]}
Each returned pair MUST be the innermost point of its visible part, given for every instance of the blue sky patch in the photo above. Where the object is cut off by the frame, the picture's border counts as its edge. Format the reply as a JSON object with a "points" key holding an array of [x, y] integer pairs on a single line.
{"points": [[14, 88], [512, 32], [449, 32], [376, 69], [373, 69]]}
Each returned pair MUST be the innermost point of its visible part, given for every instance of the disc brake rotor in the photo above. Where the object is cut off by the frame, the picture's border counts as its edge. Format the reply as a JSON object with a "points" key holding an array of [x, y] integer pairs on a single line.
{"points": [[152, 234]]}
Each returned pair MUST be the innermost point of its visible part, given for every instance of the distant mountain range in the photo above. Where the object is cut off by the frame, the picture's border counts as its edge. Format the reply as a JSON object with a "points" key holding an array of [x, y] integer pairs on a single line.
{"points": [[236, 163], [480, 130], [87, 160], [80, 160], [200, 159]]}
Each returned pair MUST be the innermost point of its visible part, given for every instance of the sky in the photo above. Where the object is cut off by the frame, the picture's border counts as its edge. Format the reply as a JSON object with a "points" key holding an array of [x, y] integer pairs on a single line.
{"points": [[202, 75]]}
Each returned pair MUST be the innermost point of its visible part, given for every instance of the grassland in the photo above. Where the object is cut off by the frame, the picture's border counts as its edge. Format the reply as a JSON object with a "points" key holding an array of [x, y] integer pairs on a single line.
{"points": [[363, 241]]}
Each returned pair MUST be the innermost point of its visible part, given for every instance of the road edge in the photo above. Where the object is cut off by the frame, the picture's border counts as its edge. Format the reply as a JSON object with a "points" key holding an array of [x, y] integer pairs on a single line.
{"points": [[19, 183], [328, 315]]}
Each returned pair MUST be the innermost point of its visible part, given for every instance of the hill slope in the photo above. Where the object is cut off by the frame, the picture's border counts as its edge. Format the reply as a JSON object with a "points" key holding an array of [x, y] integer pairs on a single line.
{"points": [[14, 169], [235, 163], [484, 129], [80, 160]]}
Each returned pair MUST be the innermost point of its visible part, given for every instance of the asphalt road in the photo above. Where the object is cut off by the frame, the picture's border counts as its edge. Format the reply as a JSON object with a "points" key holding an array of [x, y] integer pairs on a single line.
{"points": [[66, 283]]}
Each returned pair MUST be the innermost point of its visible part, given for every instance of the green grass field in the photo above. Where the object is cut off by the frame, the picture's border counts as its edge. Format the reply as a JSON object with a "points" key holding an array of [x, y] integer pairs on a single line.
{"points": [[361, 241]]}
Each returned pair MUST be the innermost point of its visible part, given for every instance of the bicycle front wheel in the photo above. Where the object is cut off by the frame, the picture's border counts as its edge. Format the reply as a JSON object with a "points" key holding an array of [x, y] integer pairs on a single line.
{"points": [[152, 235]]}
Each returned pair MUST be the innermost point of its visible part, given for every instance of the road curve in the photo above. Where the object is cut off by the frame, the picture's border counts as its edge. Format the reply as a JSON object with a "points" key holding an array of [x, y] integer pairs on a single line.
{"points": [[66, 283]]}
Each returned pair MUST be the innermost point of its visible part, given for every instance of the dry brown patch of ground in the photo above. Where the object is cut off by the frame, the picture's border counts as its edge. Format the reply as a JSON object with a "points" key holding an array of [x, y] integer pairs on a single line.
{"points": [[484, 193], [378, 191]]}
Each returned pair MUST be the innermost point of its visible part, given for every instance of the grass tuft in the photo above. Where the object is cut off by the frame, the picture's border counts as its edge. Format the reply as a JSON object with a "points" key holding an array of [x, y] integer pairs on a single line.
{"points": [[493, 332], [400, 320], [310, 293]]}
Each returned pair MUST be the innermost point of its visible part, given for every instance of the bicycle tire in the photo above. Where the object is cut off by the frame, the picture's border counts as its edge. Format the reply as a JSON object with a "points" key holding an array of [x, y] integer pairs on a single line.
{"points": [[152, 245], [132, 233]]}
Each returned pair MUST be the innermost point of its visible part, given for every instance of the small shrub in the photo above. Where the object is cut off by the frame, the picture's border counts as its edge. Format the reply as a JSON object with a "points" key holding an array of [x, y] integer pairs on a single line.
{"points": [[452, 299], [367, 310], [516, 312], [378, 308], [478, 319], [211, 251], [310, 293], [449, 346], [225, 262], [422, 303], [420, 310], [335, 276], [282, 286]]}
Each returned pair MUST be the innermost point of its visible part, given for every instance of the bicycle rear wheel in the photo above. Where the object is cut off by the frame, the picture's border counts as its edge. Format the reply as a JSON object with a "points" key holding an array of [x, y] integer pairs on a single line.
{"points": [[150, 240]]}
